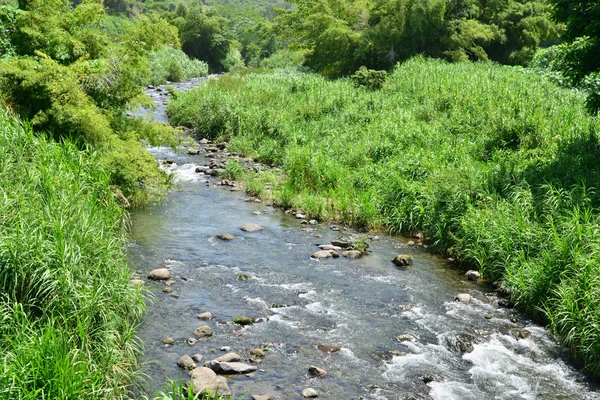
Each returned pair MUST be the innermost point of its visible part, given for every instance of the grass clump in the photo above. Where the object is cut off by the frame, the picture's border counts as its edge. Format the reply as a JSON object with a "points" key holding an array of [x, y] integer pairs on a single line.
{"points": [[67, 308], [171, 64], [496, 166]]}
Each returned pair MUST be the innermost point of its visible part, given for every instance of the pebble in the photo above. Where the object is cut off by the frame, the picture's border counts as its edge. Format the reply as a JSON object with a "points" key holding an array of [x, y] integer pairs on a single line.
{"points": [[225, 348]]}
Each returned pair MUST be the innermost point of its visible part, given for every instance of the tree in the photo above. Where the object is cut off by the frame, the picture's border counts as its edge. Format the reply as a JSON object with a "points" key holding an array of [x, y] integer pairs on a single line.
{"points": [[202, 37]]}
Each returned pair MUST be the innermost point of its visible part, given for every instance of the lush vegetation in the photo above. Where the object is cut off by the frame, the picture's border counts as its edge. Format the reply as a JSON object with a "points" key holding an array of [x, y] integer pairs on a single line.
{"points": [[340, 36], [67, 309], [496, 165]]}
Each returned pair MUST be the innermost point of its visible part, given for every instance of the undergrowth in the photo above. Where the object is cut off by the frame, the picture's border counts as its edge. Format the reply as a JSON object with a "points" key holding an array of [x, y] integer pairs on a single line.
{"points": [[496, 166], [67, 308]]}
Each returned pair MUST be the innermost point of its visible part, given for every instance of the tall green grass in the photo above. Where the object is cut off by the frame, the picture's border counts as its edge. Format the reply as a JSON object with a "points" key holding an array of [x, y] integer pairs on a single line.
{"points": [[67, 309], [497, 166], [170, 64]]}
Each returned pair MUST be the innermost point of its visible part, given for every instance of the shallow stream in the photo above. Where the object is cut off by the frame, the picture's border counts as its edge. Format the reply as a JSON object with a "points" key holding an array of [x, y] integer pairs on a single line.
{"points": [[399, 330]]}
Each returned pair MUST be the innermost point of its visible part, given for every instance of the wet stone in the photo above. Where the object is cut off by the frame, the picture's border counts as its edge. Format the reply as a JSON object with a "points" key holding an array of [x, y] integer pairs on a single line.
{"points": [[186, 362], [168, 341], [403, 260], [251, 227], [228, 368], [229, 357], [203, 331], [204, 315], [463, 297], [225, 236], [472, 275], [191, 341], [257, 353], [322, 254], [243, 320], [328, 348], [159, 274], [316, 371], [310, 393]]}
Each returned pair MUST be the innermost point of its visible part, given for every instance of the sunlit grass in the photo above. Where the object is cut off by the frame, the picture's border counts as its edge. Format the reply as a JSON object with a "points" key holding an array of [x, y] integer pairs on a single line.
{"points": [[496, 166], [67, 309]]}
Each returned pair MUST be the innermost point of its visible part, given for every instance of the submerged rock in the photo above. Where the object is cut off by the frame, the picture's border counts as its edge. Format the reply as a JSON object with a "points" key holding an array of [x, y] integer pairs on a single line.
{"points": [[159, 274], [225, 236], [251, 227], [257, 353], [168, 341], [461, 343], [352, 254], [520, 333], [403, 260], [205, 382], [328, 349]]}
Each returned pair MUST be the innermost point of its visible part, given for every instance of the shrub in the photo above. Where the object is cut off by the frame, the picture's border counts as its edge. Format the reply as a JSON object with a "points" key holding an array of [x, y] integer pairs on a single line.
{"points": [[369, 78]]}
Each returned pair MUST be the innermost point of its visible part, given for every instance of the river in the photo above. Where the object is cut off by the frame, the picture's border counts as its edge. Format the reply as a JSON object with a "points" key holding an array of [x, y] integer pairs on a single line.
{"points": [[399, 330]]}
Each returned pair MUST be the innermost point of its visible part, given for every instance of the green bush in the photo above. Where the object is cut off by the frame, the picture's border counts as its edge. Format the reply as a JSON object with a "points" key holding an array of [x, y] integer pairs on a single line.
{"points": [[497, 166], [170, 64], [369, 78]]}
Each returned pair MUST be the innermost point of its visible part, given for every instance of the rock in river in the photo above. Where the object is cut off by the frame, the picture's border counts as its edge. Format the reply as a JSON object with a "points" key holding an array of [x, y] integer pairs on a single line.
{"points": [[225, 236], [251, 227], [186, 362], [230, 368], [206, 382], [473, 275], [329, 247], [321, 254], [352, 254], [328, 349], [203, 331], [159, 274], [243, 320], [316, 371], [463, 297], [229, 357], [204, 315], [403, 260], [310, 393]]}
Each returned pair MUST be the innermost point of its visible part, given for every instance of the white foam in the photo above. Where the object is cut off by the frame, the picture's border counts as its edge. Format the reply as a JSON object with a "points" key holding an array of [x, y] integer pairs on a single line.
{"points": [[187, 173]]}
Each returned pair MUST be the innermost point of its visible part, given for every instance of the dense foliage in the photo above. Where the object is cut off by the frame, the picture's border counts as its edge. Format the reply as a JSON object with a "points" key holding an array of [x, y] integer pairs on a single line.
{"points": [[343, 35], [67, 309], [496, 165], [61, 72], [575, 63]]}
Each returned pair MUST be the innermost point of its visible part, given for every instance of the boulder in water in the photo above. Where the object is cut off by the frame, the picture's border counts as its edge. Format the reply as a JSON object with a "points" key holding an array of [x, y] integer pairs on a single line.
{"points": [[205, 382], [316, 371], [473, 275], [229, 357], [463, 297], [203, 331], [251, 227], [230, 368], [159, 274], [310, 393], [403, 260], [461, 343], [186, 362], [225, 236]]}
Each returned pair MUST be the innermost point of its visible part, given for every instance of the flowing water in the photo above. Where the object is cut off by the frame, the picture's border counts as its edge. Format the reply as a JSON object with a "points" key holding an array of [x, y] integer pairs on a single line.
{"points": [[399, 330]]}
